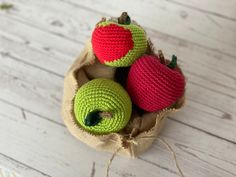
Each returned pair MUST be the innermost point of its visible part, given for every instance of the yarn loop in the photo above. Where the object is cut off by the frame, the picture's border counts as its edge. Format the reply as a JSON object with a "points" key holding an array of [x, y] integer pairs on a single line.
{"points": [[102, 106]]}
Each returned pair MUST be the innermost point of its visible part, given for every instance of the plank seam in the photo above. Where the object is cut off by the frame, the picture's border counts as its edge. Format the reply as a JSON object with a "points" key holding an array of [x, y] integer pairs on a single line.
{"points": [[202, 10], [25, 165], [30, 64], [101, 13], [201, 130], [153, 30], [31, 112]]}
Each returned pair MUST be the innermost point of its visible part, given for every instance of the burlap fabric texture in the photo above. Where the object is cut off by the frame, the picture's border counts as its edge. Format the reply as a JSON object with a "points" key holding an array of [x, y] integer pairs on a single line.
{"points": [[137, 136]]}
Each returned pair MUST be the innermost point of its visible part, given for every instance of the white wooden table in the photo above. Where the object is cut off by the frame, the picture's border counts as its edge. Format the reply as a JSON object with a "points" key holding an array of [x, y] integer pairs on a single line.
{"points": [[39, 39]]}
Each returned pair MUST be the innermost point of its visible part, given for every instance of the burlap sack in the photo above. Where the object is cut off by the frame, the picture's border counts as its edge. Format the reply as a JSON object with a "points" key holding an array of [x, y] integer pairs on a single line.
{"points": [[140, 132]]}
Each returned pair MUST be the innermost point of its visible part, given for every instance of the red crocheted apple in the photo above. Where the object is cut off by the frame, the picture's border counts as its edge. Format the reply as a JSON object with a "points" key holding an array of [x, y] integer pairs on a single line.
{"points": [[153, 85], [118, 43]]}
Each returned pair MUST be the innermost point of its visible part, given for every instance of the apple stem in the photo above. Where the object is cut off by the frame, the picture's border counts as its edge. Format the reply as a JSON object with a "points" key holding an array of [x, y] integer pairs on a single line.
{"points": [[94, 117], [124, 19], [173, 62], [106, 115], [161, 56], [102, 20]]}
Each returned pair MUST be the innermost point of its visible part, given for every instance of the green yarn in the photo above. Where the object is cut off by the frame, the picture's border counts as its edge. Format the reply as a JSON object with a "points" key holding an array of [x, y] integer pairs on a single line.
{"points": [[173, 62], [102, 95], [140, 44], [93, 118]]}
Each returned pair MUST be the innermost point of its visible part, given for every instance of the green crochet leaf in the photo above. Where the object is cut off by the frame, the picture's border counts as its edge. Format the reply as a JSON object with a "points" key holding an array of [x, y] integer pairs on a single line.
{"points": [[173, 62], [127, 21], [93, 118]]}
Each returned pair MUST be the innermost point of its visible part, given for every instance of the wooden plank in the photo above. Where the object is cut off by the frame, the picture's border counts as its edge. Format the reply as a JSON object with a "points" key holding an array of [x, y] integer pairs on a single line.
{"points": [[214, 7], [163, 41], [209, 113], [67, 26], [191, 29], [213, 121], [55, 152], [185, 53], [192, 154], [206, 30], [185, 116], [54, 148], [216, 93], [32, 88], [18, 168], [49, 59], [197, 144], [4, 172], [42, 39], [209, 77]]}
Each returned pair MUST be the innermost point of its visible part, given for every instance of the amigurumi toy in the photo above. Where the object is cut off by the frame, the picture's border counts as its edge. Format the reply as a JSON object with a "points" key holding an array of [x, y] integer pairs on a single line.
{"points": [[102, 106], [118, 43], [154, 85]]}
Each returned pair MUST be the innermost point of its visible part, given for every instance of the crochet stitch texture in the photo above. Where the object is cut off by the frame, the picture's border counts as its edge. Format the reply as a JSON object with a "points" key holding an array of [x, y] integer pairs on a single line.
{"points": [[153, 86], [117, 44], [103, 95]]}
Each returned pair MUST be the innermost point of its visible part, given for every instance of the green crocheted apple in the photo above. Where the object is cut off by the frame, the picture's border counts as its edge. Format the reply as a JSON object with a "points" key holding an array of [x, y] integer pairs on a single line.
{"points": [[102, 106], [118, 43]]}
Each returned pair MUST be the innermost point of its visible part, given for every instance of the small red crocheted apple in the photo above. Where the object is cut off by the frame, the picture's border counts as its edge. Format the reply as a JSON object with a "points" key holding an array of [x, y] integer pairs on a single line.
{"points": [[118, 43], [153, 85]]}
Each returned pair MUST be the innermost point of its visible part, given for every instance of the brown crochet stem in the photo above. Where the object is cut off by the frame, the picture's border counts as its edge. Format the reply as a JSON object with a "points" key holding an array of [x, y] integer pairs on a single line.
{"points": [[150, 48], [161, 56], [124, 19], [106, 115], [102, 20], [166, 144]]}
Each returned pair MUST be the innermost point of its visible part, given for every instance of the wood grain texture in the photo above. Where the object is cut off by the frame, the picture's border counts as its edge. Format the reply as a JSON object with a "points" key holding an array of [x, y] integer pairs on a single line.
{"points": [[40, 39], [4, 172], [214, 7], [54, 144], [213, 78], [205, 29]]}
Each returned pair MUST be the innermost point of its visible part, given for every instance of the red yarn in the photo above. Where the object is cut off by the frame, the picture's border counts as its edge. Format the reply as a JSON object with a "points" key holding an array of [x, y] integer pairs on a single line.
{"points": [[153, 86], [111, 42]]}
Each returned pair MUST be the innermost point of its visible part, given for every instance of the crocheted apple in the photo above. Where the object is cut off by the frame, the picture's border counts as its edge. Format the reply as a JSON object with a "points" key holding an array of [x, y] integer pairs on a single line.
{"points": [[154, 85], [102, 106], [118, 43]]}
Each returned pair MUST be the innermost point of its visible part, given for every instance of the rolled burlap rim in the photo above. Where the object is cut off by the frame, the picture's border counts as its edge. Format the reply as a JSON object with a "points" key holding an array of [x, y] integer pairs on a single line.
{"points": [[130, 144]]}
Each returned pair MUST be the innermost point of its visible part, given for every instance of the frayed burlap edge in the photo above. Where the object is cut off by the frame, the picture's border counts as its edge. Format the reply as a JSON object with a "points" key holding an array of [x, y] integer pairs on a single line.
{"points": [[127, 145]]}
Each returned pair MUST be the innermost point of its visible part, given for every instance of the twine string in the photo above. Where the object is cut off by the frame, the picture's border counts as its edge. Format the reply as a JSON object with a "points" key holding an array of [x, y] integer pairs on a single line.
{"points": [[110, 161], [166, 144], [173, 155]]}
